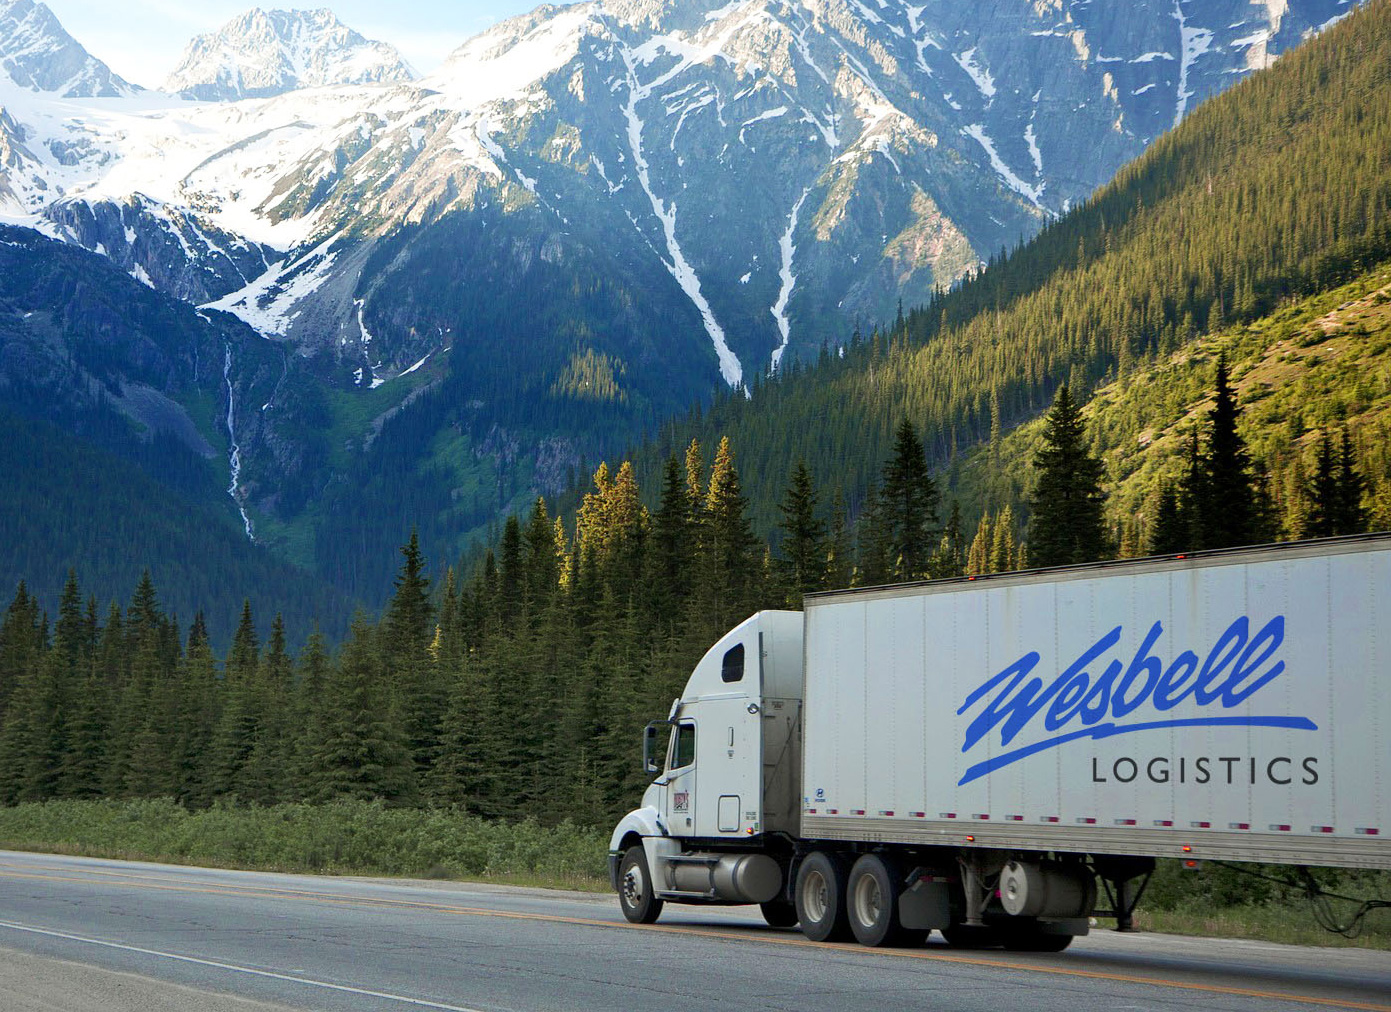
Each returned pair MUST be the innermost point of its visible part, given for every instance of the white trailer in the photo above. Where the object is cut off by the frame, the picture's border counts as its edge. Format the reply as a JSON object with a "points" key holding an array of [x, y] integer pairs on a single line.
{"points": [[974, 755]]}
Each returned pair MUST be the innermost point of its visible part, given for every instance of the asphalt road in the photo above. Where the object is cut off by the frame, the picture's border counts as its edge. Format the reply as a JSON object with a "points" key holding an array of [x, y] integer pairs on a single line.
{"points": [[80, 935]]}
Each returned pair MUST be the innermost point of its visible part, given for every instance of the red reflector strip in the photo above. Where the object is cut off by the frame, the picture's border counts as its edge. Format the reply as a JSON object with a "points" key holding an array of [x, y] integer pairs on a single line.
{"points": [[811, 811], [1279, 828], [833, 811], [889, 811], [1238, 825], [1014, 818], [947, 815], [1086, 822], [1367, 831], [917, 815], [1125, 822], [1050, 818], [1163, 822], [1320, 829], [1201, 825], [982, 817], [857, 811]]}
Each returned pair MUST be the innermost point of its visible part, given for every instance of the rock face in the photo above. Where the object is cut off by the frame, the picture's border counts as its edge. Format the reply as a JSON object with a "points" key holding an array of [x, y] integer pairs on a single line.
{"points": [[266, 53], [37, 54]]}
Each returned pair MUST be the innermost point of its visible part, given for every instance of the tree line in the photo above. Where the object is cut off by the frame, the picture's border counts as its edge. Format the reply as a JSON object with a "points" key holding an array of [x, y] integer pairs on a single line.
{"points": [[520, 687]]}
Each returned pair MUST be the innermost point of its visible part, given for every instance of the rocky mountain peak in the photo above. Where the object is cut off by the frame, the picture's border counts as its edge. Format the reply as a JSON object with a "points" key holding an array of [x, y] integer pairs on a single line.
{"points": [[38, 54], [264, 53]]}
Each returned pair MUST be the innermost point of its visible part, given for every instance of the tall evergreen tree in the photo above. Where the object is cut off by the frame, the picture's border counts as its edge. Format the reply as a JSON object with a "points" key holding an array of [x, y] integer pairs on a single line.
{"points": [[1066, 523], [1228, 509], [801, 564], [729, 564], [908, 501], [362, 751]]}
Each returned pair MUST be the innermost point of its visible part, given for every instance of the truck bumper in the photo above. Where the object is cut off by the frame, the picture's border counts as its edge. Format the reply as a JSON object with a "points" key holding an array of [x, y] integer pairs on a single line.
{"points": [[615, 857]]}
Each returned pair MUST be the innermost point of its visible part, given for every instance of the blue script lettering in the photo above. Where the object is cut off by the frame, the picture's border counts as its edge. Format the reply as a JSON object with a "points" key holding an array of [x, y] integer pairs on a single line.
{"points": [[1076, 697]]}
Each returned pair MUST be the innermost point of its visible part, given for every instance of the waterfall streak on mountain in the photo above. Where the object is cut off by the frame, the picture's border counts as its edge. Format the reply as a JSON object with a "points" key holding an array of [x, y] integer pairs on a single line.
{"points": [[234, 457]]}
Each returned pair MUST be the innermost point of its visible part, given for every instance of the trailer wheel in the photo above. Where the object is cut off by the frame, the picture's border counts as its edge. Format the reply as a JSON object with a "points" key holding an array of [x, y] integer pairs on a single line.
{"points": [[872, 901], [779, 913], [820, 897], [635, 888]]}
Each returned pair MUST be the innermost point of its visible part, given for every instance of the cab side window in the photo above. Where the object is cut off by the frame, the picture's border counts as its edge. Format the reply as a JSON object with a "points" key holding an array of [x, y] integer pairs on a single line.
{"points": [[732, 670], [683, 746]]}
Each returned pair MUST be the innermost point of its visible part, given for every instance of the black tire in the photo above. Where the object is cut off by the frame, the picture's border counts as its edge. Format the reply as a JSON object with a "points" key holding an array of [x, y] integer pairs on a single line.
{"points": [[820, 897], [635, 888], [965, 936], [779, 913], [871, 901]]}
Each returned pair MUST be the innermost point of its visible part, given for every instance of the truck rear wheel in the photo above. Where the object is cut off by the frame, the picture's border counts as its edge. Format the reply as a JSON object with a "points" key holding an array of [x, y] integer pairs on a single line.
{"points": [[872, 901], [635, 888], [820, 896]]}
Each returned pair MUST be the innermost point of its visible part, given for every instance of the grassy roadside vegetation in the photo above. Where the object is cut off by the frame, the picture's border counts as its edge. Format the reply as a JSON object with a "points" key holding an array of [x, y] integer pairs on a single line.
{"points": [[367, 838], [338, 838]]}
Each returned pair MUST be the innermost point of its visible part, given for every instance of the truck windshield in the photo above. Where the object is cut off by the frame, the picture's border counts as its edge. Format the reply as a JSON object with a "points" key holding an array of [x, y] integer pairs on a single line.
{"points": [[682, 746]]}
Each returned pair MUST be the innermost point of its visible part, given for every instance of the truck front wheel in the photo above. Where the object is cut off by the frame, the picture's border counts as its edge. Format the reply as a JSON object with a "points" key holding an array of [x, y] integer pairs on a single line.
{"points": [[635, 888], [820, 897]]}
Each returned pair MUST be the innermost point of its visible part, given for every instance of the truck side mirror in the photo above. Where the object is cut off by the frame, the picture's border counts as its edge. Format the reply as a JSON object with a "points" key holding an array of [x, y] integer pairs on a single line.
{"points": [[650, 761]]}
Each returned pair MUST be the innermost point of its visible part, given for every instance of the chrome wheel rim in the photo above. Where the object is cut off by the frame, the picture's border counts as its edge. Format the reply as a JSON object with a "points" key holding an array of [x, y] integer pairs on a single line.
{"points": [[634, 887], [869, 900], [815, 896]]}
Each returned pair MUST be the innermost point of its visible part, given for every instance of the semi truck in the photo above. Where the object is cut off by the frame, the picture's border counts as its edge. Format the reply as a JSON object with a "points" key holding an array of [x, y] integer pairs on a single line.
{"points": [[1003, 759]]}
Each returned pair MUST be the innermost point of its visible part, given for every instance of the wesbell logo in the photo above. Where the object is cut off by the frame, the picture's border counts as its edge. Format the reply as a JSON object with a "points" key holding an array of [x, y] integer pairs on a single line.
{"points": [[1237, 667]]}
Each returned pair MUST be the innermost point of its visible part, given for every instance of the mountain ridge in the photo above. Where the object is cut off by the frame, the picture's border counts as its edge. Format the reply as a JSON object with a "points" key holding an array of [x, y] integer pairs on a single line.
{"points": [[261, 54]]}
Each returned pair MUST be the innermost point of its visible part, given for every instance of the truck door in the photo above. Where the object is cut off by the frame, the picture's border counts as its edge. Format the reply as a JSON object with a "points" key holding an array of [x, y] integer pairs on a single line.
{"points": [[730, 752], [681, 779]]}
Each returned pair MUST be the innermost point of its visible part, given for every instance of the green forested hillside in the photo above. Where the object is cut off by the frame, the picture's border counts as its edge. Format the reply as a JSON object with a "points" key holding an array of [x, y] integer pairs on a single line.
{"points": [[1318, 367], [1277, 189]]}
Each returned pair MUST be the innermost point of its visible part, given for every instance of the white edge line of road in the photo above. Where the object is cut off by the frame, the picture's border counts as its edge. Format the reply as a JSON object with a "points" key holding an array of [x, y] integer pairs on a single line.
{"points": [[237, 969]]}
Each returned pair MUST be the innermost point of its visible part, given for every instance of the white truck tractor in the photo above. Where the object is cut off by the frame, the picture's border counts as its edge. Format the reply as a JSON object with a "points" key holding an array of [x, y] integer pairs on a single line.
{"points": [[999, 758]]}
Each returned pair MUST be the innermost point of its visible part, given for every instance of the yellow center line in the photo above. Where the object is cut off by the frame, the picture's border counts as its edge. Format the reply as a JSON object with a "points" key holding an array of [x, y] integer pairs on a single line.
{"points": [[767, 939]]}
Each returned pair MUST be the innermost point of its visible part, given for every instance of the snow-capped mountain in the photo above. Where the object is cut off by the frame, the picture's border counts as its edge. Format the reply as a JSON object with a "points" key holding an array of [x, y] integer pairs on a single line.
{"points": [[667, 193], [36, 53], [264, 53]]}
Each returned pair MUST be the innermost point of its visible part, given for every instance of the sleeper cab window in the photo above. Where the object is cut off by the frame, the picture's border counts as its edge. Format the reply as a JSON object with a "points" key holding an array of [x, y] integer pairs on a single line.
{"points": [[733, 668]]}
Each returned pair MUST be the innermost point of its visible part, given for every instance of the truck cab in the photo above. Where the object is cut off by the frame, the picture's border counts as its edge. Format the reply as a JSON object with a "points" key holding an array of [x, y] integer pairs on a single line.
{"points": [[727, 760]]}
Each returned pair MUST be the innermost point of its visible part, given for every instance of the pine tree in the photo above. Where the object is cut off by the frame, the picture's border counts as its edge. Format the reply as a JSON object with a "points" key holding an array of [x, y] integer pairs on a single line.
{"points": [[361, 752], [801, 565], [908, 501], [671, 558], [729, 550], [1168, 534], [1324, 492], [239, 716], [1228, 511], [1351, 515], [838, 560], [1066, 523], [417, 693], [1003, 550], [978, 557]]}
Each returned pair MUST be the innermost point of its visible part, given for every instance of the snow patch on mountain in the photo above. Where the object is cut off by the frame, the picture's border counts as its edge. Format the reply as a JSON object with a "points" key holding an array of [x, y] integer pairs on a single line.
{"points": [[779, 310]]}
